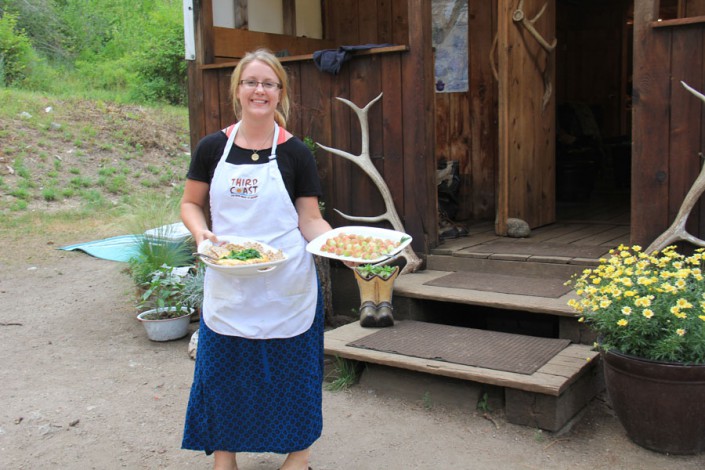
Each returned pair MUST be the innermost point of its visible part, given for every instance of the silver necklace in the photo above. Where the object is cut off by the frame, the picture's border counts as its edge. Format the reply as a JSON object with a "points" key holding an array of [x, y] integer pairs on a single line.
{"points": [[255, 151]]}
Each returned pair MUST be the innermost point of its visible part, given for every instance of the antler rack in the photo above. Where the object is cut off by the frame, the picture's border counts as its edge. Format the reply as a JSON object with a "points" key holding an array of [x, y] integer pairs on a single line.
{"points": [[677, 232], [413, 262]]}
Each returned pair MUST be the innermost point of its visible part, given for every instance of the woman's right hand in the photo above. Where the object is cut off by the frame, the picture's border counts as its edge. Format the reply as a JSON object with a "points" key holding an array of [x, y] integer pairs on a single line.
{"points": [[206, 235]]}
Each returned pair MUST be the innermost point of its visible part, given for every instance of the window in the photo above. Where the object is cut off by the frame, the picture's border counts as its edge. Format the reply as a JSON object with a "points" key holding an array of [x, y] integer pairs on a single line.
{"points": [[292, 17], [675, 9]]}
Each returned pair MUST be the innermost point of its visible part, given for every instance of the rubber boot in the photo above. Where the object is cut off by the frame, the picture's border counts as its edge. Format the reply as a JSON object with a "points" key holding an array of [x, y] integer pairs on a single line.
{"points": [[376, 300], [367, 288], [368, 312], [385, 289]]}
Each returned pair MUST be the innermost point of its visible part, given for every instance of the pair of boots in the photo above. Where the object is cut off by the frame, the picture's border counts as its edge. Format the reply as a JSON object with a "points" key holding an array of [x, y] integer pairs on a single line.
{"points": [[376, 299], [448, 229]]}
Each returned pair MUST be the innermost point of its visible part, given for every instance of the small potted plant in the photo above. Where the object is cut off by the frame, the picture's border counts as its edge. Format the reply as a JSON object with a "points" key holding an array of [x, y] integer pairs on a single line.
{"points": [[648, 311], [192, 291], [376, 285], [167, 315]]}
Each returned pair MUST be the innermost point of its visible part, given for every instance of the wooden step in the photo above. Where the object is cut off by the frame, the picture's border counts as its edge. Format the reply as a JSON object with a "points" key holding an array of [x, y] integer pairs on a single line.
{"points": [[414, 286], [551, 255], [548, 398]]}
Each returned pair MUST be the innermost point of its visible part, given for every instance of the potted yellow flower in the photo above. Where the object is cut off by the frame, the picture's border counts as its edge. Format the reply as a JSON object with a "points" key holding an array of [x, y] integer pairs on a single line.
{"points": [[648, 311]]}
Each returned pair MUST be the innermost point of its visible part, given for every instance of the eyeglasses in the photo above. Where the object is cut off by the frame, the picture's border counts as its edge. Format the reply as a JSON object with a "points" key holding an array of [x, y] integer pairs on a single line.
{"points": [[269, 86]]}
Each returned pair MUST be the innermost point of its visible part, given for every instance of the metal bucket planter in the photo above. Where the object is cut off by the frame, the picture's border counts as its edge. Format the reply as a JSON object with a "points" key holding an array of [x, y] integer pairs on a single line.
{"points": [[661, 405], [166, 329]]}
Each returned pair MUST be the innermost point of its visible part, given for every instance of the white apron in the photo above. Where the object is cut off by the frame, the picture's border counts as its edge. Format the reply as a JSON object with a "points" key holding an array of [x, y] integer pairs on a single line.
{"points": [[251, 201]]}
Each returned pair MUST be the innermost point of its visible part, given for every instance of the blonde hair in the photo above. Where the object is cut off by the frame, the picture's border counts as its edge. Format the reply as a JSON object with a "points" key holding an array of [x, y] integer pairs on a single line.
{"points": [[265, 56]]}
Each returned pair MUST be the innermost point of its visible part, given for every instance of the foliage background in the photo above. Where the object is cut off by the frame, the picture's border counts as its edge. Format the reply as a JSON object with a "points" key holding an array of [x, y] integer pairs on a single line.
{"points": [[120, 50], [93, 117]]}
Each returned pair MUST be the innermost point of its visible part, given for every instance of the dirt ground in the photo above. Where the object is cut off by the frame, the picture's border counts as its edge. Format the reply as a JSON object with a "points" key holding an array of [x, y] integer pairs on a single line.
{"points": [[83, 388]]}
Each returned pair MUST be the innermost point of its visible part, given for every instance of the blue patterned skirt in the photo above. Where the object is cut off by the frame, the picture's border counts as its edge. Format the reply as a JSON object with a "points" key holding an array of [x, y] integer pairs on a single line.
{"points": [[253, 395]]}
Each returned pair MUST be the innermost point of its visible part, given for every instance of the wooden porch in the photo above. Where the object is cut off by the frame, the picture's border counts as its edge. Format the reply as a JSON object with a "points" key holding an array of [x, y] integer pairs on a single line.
{"points": [[551, 396], [582, 234]]}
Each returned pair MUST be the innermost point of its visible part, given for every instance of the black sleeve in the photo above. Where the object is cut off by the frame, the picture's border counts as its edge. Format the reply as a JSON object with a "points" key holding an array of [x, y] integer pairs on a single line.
{"points": [[206, 157], [306, 180]]}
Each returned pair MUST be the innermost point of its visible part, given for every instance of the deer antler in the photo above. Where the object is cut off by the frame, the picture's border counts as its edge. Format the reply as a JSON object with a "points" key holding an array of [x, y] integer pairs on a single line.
{"points": [[519, 17], [677, 232], [363, 160]]}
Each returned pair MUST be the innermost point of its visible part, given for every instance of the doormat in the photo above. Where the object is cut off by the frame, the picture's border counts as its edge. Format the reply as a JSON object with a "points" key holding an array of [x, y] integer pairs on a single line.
{"points": [[540, 249], [468, 346], [503, 283]]}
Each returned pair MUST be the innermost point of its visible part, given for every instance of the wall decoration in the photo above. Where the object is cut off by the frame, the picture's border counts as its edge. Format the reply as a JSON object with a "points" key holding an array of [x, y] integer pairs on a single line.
{"points": [[450, 40]]}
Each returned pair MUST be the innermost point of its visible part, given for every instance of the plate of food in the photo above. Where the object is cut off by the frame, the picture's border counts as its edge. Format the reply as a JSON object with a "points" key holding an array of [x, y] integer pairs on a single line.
{"points": [[359, 244], [240, 256]]}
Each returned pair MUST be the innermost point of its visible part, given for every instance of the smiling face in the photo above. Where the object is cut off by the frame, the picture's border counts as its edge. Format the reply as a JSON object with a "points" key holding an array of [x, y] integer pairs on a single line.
{"points": [[258, 102]]}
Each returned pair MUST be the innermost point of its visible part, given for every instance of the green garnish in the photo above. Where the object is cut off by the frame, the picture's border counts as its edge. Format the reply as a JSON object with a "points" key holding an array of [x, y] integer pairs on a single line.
{"points": [[244, 255], [369, 270]]}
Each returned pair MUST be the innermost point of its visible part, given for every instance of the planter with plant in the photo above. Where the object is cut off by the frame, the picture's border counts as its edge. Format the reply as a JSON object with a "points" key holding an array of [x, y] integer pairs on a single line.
{"points": [[159, 270], [376, 285], [648, 311], [165, 313], [192, 291]]}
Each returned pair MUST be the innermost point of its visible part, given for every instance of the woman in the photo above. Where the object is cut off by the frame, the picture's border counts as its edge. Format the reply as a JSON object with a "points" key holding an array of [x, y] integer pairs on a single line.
{"points": [[259, 368]]}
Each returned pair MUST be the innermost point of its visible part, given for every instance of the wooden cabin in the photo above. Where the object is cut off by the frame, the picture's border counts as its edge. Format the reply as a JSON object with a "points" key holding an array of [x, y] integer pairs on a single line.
{"points": [[568, 115], [614, 75]]}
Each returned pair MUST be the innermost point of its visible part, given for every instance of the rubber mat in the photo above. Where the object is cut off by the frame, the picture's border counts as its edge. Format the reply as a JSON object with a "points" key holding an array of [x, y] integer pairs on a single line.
{"points": [[468, 346], [539, 249], [503, 283]]}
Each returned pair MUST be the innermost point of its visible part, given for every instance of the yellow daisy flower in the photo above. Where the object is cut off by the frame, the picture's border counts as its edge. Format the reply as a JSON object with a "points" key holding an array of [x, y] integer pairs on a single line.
{"points": [[683, 303]]}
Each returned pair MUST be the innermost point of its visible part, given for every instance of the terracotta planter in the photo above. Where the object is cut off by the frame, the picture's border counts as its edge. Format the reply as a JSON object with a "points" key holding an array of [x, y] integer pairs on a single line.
{"points": [[661, 405]]}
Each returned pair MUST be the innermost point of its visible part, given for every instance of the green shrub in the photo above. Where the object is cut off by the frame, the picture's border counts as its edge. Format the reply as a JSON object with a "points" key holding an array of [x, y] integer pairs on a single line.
{"points": [[49, 194], [21, 193], [159, 63], [117, 184], [153, 253], [17, 58]]}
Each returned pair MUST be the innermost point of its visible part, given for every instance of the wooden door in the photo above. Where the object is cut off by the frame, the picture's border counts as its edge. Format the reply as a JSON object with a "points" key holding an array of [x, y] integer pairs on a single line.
{"points": [[526, 69]]}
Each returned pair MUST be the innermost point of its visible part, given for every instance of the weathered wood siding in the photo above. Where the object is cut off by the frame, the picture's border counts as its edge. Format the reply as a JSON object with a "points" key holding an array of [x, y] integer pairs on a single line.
{"points": [[669, 124], [401, 123], [526, 168], [466, 123]]}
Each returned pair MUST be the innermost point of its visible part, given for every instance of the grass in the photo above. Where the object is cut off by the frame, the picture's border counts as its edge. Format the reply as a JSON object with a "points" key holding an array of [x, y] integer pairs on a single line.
{"points": [[49, 194], [483, 404], [427, 401], [72, 159], [346, 373], [539, 436]]}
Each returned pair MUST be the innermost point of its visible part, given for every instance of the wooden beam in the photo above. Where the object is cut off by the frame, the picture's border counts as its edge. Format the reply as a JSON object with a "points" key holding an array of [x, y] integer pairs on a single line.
{"points": [[306, 57], [650, 135], [418, 117], [203, 36], [234, 43], [289, 13]]}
